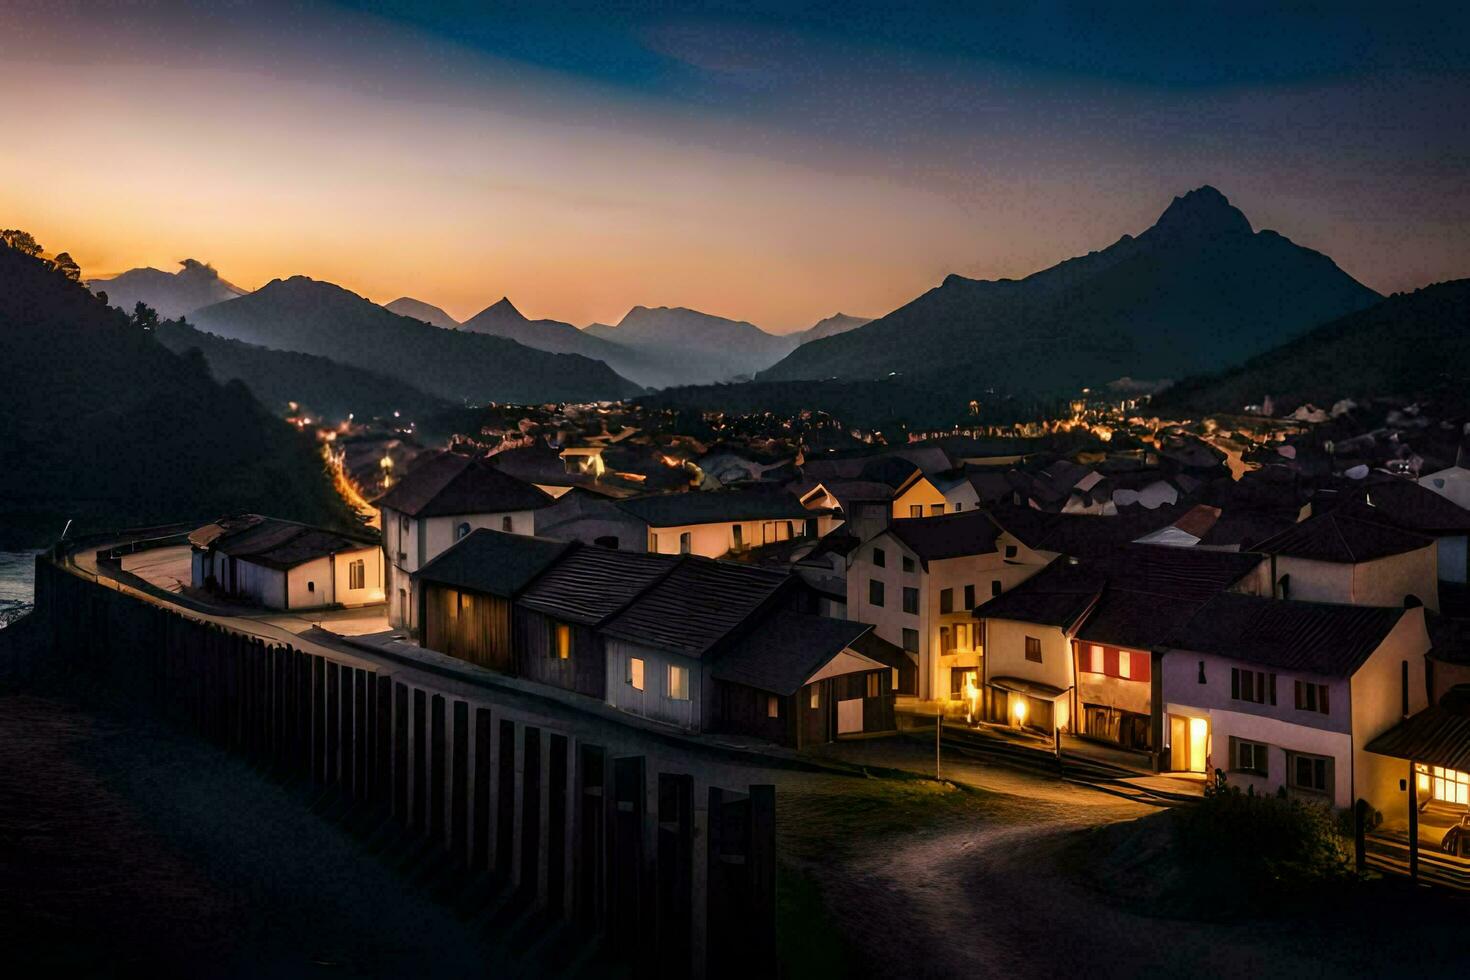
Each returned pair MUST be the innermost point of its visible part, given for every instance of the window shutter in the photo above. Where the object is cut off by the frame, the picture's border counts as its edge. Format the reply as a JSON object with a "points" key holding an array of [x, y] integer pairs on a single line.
{"points": [[1298, 695], [1273, 689], [1235, 683], [1322, 698]]}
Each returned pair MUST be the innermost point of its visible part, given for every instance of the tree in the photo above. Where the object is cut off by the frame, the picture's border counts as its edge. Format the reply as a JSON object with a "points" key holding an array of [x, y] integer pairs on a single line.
{"points": [[68, 267], [144, 317], [22, 241]]}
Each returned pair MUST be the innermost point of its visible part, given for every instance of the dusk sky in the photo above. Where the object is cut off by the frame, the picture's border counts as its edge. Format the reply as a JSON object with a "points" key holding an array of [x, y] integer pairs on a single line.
{"points": [[753, 162]]}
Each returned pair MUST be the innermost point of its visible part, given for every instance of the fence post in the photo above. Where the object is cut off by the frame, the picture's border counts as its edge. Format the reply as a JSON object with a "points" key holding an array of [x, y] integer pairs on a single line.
{"points": [[675, 875], [626, 912], [400, 753], [557, 826], [505, 800], [332, 727], [420, 760], [591, 826], [437, 769], [382, 771], [459, 804], [484, 763]]}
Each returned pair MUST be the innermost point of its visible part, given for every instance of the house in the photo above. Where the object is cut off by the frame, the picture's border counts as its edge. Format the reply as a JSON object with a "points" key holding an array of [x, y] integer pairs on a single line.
{"points": [[909, 492], [1339, 557], [715, 522], [1071, 648], [1429, 750], [284, 565], [1411, 507], [592, 518], [440, 501], [1286, 693], [862, 508], [1451, 483], [916, 583], [558, 617], [465, 597]]}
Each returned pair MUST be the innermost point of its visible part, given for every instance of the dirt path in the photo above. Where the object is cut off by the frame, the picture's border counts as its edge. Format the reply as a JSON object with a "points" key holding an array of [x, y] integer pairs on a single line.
{"points": [[127, 850]]}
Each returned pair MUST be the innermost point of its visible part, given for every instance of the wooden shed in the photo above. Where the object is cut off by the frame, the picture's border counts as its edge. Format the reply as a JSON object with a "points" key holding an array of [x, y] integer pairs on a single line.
{"points": [[467, 594]]}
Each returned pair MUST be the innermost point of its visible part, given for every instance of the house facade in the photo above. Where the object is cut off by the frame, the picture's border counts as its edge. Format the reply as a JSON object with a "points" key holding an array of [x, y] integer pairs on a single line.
{"points": [[1338, 557], [284, 565]]}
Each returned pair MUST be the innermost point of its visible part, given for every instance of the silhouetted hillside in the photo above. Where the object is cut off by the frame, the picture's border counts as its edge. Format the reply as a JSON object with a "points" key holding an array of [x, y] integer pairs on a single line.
{"points": [[831, 326], [314, 317], [690, 347], [1197, 291], [170, 294], [322, 387], [106, 426], [502, 319], [1413, 345], [419, 310]]}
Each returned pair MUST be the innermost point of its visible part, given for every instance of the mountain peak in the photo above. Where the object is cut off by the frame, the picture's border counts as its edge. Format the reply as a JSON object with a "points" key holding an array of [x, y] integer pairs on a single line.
{"points": [[1203, 211]]}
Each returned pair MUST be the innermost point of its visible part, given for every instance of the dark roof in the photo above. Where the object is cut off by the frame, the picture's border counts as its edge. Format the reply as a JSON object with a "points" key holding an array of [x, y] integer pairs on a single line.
{"points": [[1317, 637], [785, 649], [697, 604], [715, 506], [874, 647], [1136, 620], [275, 543], [1449, 637], [1338, 537], [1176, 573], [493, 562], [894, 471], [592, 583], [1243, 527], [1080, 535], [948, 536], [451, 484], [1058, 595], [1437, 736], [1407, 505]]}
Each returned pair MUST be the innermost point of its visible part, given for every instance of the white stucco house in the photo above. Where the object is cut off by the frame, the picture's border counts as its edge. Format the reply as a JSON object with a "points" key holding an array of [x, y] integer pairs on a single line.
{"points": [[285, 565], [1341, 557], [438, 502]]}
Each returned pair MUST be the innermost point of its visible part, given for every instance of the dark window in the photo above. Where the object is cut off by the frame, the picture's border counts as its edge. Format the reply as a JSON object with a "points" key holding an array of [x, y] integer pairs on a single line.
{"points": [[875, 592], [461, 531], [1250, 756], [310, 586], [1311, 697], [1251, 685], [908, 563], [1310, 772], [946, 600], [686, 543], [1010, 551], [969, 597], [880, 560], [995, 587], [1033, 649], [911, 600], [1202, 672], [1404, 687], [506, 524], [874, 685], [911, 640], [916, 510]]}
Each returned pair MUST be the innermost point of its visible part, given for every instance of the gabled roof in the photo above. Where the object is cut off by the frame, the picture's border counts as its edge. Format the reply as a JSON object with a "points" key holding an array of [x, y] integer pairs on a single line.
{"points": [[275, 543], [450, 484], [1409, 506], [1338, 537], [1437, 736], [697, 605], [493, 562], [1315, 637], [591, 584], [716, 507], [1079, 535], [948, 536], [1058, 595], [785, 649]]}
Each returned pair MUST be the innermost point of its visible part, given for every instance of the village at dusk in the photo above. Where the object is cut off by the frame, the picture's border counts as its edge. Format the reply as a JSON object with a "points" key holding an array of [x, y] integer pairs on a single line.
{"points": [[739, 490]]}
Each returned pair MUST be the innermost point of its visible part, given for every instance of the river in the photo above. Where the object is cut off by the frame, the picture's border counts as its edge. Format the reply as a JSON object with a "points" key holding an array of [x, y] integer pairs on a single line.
{"points": [[17, 584]]}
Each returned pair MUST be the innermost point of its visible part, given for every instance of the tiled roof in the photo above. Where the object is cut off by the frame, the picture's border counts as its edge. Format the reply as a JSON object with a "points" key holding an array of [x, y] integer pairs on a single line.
{"points": [[1316, 637], [1080, 535], [493, 562], [1437, 736], [1337, 537], [452, 484], [275, 543], [1408, 505], [786, 648], [1058, 595], [592, 583], [948, 536], [697, 604], [715, 506]]}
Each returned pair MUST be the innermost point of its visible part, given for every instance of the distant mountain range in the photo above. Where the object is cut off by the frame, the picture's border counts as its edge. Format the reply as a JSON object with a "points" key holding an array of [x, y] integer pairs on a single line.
{"points": [[320, 386], [830, 327], [1411, 345], [419, 310], [689, 347], [171, 294], [312, 317], [1197, 290], [107, 427]]}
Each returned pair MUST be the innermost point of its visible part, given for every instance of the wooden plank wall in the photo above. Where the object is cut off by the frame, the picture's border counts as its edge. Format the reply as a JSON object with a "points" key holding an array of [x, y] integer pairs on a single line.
{"points": [[493, 812], [469, 625]]}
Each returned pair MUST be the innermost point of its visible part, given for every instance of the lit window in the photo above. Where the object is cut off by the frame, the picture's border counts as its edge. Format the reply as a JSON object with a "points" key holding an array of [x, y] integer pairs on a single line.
{"points": [[678, 683], [936, 510], [1095, 654], [916, 510], [357, 574], [816, 697], [874, 685], [1125, 663], [635, 673], [563, 641], [773, 706]]}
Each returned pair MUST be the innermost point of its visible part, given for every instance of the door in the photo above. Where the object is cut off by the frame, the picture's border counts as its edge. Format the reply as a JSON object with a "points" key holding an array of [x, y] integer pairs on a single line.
{"points": [[1189, 740], [849, 716]]}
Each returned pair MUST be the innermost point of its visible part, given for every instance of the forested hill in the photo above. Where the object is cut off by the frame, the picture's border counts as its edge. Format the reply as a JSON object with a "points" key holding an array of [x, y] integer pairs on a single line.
{"points": [[320, 386], [101, 424], [1411, 345]]}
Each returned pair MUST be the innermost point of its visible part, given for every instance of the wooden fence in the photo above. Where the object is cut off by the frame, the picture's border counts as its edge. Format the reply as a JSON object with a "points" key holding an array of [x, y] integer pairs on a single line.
{"points": [[500, 817]]}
